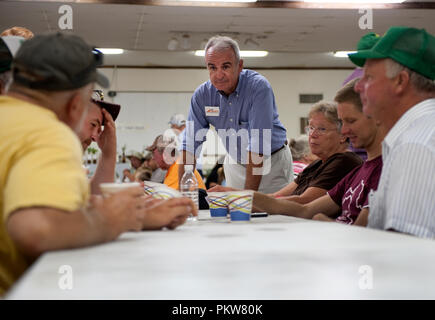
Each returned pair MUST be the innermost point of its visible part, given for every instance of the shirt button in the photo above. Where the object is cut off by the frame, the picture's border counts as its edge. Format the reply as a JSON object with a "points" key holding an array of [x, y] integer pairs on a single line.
{"points": [[231, 120], [230, 103]]}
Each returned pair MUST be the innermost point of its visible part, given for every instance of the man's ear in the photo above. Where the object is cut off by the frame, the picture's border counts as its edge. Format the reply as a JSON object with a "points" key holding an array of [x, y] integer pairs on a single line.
{"points": [[401, 82], [75, 109], [240, 65]]}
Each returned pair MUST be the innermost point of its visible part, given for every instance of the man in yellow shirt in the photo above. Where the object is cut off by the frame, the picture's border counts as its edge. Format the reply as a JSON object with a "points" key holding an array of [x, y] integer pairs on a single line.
{"points": [[43, 188]]}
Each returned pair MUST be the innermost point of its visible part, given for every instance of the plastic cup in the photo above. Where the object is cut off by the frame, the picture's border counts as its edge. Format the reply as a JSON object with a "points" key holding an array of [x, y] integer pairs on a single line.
{"points": [[217, 201], [111, 188], [240, 205]]}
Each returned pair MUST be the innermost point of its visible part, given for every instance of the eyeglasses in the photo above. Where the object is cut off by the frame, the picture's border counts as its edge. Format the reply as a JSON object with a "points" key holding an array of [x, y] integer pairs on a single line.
{"points": [[309, 130]]}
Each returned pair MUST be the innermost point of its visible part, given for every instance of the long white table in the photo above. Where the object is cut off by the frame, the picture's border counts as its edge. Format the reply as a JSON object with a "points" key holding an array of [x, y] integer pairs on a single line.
{"points": [[276, 257]]}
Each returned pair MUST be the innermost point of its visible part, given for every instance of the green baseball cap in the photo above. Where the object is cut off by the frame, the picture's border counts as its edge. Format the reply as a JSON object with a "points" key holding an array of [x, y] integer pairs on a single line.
{"points": [[411, 47], [57, 62], [365, 43]]}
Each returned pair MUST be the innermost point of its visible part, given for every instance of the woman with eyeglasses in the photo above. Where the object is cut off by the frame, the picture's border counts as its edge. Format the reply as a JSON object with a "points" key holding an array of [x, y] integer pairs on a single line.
{"points": [[335, 161]]}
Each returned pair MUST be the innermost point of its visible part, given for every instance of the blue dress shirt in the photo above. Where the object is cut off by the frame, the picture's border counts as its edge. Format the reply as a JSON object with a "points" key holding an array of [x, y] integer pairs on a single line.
{"points": [[246, 120]]}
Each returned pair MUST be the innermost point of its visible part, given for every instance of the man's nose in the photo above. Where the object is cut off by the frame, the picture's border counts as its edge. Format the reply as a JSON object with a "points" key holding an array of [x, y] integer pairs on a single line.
{"points": [[95, 134], [220, 74]]}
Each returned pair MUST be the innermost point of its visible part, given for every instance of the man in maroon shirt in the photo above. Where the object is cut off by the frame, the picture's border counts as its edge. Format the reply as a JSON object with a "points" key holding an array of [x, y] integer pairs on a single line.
{"points": [[349, 198]]}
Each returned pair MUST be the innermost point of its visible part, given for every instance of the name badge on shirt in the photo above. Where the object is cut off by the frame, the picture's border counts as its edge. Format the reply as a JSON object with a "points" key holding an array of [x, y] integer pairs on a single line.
{"points": [[211, 111]]}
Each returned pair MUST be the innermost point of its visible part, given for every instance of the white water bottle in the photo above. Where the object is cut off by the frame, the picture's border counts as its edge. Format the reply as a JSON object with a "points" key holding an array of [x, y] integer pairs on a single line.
{"points": [[189, 185]]}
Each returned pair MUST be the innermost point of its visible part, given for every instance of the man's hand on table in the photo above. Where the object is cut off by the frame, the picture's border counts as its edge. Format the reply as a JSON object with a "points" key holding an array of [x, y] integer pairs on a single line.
{"points": [[120, 212], [168, 213]]}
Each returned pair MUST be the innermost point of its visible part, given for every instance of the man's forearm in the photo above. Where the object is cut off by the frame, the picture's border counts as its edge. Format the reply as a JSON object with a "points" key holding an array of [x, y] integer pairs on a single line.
{"points": [[311, 194], [38, 230], [252, 181], [253, 172], [362, 219], [105, 172], [271, 205]]}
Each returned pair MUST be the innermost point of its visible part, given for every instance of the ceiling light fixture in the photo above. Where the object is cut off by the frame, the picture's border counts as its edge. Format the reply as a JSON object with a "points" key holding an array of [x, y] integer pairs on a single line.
{"points": [[342, 54], [111, 50], [243, 53], [172, 44], [186, 42], [221, 0]]}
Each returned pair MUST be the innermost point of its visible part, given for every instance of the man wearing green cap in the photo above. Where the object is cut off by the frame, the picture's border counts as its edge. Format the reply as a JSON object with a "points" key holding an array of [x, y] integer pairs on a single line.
{"points": [[398, 91]]}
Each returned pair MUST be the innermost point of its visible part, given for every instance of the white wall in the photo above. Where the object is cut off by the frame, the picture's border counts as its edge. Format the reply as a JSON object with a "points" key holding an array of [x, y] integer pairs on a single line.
{"points": [[287, 85]]}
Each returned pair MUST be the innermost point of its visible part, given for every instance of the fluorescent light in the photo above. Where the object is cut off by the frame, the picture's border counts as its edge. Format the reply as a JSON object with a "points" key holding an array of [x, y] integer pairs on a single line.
{"points": [[355, 1], [243, 53], [256, 53], [342, 54], [111, 50], [219, 0]]}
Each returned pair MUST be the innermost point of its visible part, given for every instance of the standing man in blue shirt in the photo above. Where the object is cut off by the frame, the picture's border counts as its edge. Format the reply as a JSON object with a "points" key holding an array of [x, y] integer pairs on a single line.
{"points": [[240, 104]]}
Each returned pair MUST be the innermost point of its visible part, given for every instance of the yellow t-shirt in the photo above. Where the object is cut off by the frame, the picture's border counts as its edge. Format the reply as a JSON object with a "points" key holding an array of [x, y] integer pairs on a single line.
{"points": [[171, 179], [40, 165]]}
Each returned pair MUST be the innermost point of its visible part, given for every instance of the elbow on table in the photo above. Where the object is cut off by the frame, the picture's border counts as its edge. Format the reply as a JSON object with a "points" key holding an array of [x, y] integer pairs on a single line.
{"points": [[29, 232]]}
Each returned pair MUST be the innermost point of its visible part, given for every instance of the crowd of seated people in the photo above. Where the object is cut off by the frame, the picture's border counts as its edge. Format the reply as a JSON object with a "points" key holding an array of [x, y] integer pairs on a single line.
{"points": [[50, 112], [47, 115]]}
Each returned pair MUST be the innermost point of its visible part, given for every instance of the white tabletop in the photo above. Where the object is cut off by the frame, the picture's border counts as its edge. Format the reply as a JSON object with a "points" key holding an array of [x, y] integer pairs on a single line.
{"points": [[267, 258]]}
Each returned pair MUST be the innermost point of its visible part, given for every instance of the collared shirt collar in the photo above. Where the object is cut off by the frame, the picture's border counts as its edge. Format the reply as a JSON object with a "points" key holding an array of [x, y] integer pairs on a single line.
{"points": [[405, 121]]}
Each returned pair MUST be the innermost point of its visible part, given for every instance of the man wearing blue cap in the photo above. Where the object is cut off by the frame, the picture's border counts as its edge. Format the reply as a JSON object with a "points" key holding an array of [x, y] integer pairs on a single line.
{"points": [[398, 91]]}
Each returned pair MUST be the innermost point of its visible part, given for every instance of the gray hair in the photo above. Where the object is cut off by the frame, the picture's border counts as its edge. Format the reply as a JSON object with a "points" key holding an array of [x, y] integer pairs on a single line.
{"points": [[420, 82], [329, 110], [221, 43], [300, 147]]}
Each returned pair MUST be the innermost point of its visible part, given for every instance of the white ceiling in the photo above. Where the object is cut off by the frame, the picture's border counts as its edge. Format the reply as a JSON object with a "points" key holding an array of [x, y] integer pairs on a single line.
{"points": [[295, 37]]}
